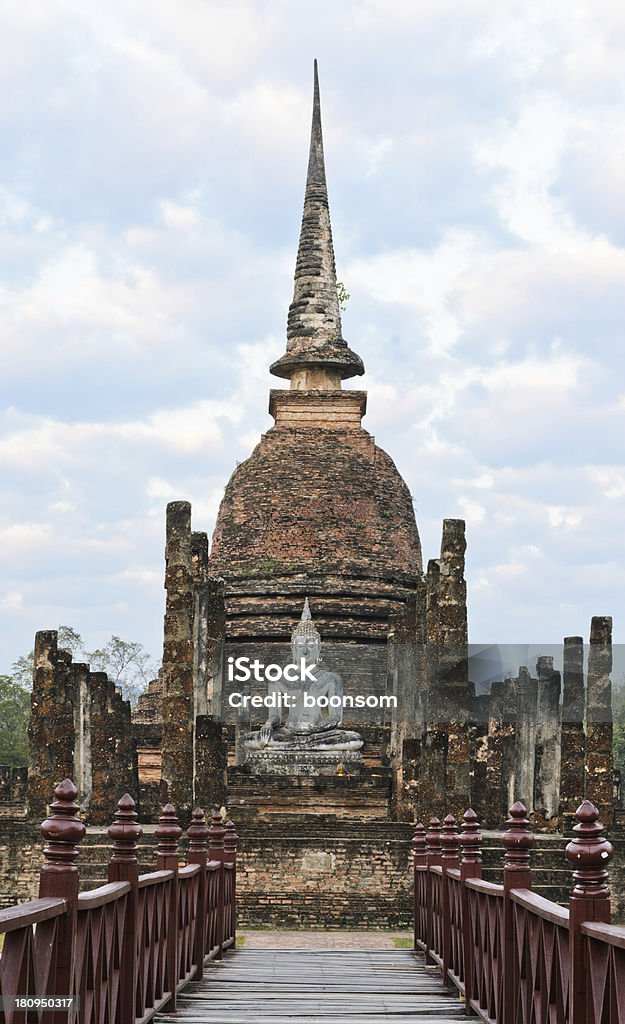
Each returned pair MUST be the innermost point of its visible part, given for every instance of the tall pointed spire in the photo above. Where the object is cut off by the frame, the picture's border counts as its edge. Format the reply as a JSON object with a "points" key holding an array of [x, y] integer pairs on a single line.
{"points": [[316, 355]]}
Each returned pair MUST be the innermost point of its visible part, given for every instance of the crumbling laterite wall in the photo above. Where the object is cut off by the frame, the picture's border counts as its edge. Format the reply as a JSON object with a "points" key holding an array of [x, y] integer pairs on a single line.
{"points": [[79, 728]]}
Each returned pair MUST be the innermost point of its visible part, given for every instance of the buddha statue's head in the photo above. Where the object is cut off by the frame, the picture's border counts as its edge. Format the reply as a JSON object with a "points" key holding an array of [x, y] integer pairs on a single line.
{"points": [[305, 639]]}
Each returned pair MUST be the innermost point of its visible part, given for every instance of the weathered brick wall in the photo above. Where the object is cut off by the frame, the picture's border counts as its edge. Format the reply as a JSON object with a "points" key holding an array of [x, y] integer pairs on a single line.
{"points": [[362, 880], [21, 854]]}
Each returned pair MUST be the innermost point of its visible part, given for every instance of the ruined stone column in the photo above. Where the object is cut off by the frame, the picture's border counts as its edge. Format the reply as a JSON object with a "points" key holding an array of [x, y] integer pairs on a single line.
{"points": [[199, 571], [479, 715], [527, 693], [82, 732], [211, 762], [445, 762], [572, 735], [547, 749], [599, 757], [509, 716], [453, 662], [51, 724], [112, 760], [494, 758], [177, 674], [431, 791], [405, 677]]}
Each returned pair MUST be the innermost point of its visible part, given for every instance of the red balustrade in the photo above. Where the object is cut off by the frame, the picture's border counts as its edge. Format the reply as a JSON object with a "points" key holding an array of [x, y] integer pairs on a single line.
{"points": [[515, 957], [124, 950]]}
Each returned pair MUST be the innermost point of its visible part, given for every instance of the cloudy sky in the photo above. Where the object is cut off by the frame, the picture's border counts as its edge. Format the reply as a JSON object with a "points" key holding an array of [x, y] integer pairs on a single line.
{"points": [[152, 170]]}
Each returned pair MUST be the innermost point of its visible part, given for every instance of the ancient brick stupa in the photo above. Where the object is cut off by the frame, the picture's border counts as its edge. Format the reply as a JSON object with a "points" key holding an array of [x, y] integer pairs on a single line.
{"points": [[318, 509]]}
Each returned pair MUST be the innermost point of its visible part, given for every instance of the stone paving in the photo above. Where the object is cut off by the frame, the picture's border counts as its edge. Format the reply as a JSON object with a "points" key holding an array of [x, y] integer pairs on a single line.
{"points": [[266, 939]]}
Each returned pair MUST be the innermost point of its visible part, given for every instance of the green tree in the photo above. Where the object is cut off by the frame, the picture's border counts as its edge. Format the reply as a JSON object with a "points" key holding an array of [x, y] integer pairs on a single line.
{"points": [[127, 663], [14, 711]]}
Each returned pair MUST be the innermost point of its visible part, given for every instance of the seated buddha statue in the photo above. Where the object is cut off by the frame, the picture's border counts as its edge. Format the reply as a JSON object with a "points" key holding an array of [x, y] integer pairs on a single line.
{"points": [[309, 724]]}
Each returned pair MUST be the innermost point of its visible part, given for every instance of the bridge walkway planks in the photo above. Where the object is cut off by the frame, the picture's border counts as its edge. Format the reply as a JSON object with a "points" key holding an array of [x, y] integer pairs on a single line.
{"points": [[302, 986]]}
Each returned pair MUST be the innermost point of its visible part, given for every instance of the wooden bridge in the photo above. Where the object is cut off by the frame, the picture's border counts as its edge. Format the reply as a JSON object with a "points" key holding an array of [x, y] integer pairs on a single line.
{"points": [[161, 946]]}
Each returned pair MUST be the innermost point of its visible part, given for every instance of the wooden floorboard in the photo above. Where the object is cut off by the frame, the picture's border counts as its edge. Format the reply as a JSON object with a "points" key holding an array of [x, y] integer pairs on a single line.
{"points": [[301, 986]]}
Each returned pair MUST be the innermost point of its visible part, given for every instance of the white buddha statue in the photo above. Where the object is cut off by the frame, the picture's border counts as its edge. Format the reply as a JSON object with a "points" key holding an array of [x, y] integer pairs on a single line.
{"points": [[309, 725]]}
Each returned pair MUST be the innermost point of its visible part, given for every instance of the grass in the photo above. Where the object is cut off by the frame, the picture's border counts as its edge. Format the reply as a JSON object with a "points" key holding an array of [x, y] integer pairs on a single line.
{"points": [[403, 942]]}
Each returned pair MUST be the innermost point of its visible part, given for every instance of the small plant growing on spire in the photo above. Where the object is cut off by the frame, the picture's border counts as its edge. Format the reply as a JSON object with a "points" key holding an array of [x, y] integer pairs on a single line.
{"points": [[343, 295]]}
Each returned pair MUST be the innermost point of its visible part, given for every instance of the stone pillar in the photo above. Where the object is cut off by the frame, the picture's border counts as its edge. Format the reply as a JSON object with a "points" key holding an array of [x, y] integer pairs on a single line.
{"points": [[599, 757], [572, 736], [453, 662], [547, 749], [494, 759], [112, 767], [82, 731], [478, 746], [445, 777], [404, 677], [509, 715], [214, 614], [211, 762], [199, 572], [51, 724], [527, 693], [431, 790], [177, 674]]}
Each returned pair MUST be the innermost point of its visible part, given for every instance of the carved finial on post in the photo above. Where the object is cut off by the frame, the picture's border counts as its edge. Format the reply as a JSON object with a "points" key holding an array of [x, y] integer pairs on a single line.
{"points": [[198, 835], [419, 843], [125, 832], [588, 854], [168, 833], [518, 841], [433, 847], [470, 846], [216, 835], [231, 842], [63, 830], [449, 842], [470, 867]]}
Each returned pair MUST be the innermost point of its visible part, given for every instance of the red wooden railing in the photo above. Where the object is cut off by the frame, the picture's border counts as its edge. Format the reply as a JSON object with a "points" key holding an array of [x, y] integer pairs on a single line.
{"points": [[515, 957], [123, 951]]}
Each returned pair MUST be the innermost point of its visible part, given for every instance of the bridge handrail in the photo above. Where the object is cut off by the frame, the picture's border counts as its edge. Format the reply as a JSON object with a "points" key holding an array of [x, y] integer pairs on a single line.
{"points": [[515, 956], [127, 947]]}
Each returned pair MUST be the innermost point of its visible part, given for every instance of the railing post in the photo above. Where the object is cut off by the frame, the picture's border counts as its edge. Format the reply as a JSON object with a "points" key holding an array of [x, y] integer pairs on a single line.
{"points": [[449, 859], [216, 834], [59, 877], [168, 833], [125, 833], [433, 855], [231, 843], [470, 867], [198, 854], [418, 860], [588, 854], [518, 841]]}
